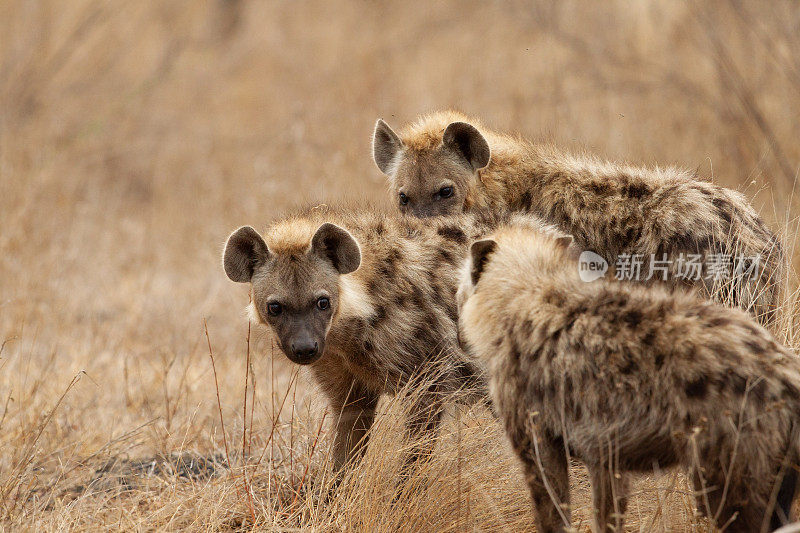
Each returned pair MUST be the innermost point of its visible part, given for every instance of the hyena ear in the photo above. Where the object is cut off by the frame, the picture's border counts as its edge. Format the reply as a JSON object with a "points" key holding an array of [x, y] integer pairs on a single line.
{"points": [[480, 251], [467, 141], [244, 251], [385, 146], [565, 241], [338, 246]]}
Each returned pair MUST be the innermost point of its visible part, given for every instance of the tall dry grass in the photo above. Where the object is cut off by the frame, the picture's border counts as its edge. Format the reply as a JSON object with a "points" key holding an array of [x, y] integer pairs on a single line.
{"points": [[135, 135]]}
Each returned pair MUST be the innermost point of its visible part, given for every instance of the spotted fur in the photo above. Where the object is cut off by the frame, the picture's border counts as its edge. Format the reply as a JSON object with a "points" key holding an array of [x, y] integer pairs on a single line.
{"points": [[391, 320], [627, 378], [610, 208]]}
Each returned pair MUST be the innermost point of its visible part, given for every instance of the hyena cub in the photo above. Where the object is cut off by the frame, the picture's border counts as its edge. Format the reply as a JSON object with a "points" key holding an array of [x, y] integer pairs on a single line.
{"points": [[368, 303], [629, 379], [446, 163]]}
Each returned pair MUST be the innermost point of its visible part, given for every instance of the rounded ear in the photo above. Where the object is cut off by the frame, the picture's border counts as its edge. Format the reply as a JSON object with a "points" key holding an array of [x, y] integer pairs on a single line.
{"points": [[385, 146], [565, 241], [244, 251], [467, 141], [338, 246], [479, 252]]}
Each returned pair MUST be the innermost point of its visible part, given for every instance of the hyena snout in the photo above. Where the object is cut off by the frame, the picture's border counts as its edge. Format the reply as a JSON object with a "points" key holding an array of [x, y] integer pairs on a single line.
{"points": [[304, 350], [426, 211], [302, 334], [303, 347], [302, 340]]}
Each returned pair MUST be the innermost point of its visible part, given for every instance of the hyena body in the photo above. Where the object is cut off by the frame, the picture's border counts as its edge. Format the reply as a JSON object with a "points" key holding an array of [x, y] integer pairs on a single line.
{"points": [[368, 302], [627, 378], [446, 163]]}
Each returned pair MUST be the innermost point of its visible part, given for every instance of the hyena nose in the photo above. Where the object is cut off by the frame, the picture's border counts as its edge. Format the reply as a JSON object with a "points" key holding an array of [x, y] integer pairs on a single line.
{"points": [[304, 350]]}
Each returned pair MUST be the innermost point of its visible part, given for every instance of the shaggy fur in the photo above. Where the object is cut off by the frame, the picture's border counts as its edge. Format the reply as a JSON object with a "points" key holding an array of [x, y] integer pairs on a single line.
{"points": [[391, 320], [626, 378], [610, 208]]}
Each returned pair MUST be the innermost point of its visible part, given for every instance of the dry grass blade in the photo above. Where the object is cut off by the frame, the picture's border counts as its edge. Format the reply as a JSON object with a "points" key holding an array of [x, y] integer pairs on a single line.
{"points": [[13, 480], [219, 402]]}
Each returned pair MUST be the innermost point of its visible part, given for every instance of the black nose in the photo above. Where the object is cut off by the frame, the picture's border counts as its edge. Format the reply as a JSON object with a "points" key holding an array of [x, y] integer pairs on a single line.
{"points": [[304, 350]]}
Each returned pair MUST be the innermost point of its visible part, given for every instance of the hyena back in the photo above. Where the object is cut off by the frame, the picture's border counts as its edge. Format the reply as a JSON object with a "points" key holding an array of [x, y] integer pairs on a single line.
{"points": [[627, 378], [447, 163], [367, 301]]}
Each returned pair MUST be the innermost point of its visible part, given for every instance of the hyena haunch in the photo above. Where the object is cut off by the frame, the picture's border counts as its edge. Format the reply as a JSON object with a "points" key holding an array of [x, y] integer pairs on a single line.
{"points": [[368, 302], [627, 378], [446, 163]]}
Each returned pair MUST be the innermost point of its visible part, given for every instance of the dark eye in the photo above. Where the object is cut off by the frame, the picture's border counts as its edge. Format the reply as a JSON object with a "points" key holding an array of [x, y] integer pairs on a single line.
{"points": [[323, 303], [274, 308], [403, 198], [446, 192]]}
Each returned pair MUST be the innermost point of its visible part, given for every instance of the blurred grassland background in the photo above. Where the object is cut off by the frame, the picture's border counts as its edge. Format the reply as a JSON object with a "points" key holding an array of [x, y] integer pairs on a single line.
{"points": [[135, 135]]}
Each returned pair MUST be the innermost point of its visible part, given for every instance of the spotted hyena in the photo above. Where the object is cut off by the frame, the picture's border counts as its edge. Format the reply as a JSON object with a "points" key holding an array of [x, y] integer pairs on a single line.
{"points": [[627, 378], [446, 163], [367, 301]]}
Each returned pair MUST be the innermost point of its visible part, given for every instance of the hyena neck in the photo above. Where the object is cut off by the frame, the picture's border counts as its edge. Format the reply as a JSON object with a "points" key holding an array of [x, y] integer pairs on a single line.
{"points": [[557, 298], [543, 307], [482, 195], [355, 309], [493, 187], [539, 179], [354, 301]]}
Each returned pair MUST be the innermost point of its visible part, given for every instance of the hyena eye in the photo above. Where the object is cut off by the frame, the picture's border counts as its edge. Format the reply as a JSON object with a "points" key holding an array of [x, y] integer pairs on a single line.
{"points": [[403, 198], [323, 303], [274, 308], [445, 192]]}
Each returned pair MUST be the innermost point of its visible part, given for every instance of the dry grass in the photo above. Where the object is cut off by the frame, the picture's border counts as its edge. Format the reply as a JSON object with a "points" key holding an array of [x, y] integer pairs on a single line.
{"points": [[135, 135]]}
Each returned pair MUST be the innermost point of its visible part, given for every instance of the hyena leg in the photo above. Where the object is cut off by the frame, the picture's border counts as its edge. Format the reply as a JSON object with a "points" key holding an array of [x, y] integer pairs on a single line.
{"points": [[609, 498], [544, 462], [737, 513], [355, 412], [782, 514], [473, 388], [740, 509]]}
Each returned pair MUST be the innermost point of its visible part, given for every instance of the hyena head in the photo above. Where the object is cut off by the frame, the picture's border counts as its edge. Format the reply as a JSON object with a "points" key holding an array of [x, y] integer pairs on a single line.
{"points": [[539, 246], [431, 179], [295, 288], [503, 264]]}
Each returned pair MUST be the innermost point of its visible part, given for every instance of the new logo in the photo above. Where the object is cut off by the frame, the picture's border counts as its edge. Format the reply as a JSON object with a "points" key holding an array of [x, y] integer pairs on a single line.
{"points": [[591, 266]]}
